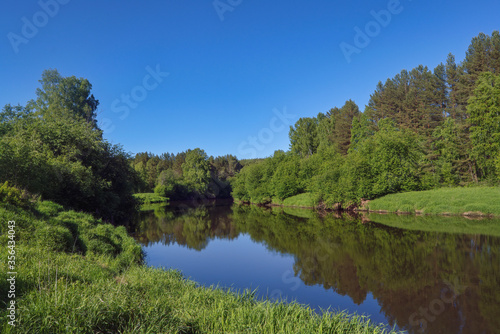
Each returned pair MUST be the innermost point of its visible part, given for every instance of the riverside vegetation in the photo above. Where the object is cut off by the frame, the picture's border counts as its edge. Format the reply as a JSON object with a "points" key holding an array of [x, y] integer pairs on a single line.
{"points": [[421, 130], [393, 274], [78, 275]]}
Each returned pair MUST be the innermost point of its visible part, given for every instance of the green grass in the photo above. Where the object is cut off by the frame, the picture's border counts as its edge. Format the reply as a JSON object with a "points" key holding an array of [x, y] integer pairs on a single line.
{"points": [[88, 278], [152, 206], [454, 201], [442, 224], [148, 198], [304, 200], [301, 200]]}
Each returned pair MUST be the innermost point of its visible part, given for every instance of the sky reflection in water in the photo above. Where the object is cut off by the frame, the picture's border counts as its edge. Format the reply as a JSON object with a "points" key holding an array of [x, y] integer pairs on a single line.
{"points": [[398, 277]]}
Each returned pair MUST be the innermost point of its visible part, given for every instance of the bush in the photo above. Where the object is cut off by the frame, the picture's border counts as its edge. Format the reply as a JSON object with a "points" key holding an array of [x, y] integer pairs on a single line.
{"points": [[13, 196], [55, 238], [48, 208], [82, 220], [102, 240]]}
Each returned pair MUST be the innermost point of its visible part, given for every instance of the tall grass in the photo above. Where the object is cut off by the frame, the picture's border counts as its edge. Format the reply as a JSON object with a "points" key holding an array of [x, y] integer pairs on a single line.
{"points": [[98, 285], [148, 300], [478, 200]]}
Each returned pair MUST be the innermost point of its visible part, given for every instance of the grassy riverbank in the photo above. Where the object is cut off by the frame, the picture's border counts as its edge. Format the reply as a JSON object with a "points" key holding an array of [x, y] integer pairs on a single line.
{"points": [[305, 200], [441, 224], [150, 198], [451, 201], [78, 275]]}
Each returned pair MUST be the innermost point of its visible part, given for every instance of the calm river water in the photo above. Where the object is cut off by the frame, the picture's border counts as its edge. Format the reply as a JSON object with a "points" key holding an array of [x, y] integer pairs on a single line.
{"points": [[417, 281]]}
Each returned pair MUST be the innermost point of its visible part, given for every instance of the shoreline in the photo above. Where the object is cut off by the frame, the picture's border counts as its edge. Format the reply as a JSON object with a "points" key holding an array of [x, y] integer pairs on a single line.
{"points": [[473, 202], [101, 283]]}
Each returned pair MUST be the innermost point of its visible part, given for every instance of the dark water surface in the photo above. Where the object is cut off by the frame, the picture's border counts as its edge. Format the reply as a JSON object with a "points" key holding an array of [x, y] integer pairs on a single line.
{"points": [[421, 282]]}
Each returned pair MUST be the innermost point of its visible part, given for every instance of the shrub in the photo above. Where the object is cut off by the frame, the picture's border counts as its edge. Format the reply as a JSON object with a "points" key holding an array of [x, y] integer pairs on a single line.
{"points": [[13, 196], [48, 208], [102, 240], [55, 238]]}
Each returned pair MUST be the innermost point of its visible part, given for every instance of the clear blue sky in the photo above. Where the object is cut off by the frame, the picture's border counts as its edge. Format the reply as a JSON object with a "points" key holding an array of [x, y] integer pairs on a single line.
{"points": [[228, 69]]}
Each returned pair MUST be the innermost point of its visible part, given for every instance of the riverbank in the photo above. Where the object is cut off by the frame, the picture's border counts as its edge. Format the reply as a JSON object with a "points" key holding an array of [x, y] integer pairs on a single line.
{"points": [[150, 198], [470, 202], [474, 201], [76, 274]]}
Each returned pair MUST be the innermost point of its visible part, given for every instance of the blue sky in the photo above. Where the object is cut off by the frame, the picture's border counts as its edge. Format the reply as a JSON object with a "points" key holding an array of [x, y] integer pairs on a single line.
{"points": [[238, 75]]}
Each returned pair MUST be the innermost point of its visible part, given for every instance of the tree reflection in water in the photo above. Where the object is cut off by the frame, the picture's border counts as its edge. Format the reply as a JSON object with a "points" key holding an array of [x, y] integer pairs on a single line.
{"points": [[407, 271]]}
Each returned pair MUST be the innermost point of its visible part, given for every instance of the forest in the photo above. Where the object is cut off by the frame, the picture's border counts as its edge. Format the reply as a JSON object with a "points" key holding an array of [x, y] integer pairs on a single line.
{"points": [[421, 130]]}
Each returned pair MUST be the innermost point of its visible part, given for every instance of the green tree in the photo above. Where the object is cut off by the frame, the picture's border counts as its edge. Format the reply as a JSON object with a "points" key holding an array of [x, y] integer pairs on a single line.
{"points": [[343, 123], [167, 184], [484, 118], [303, 136], [54, 149], [196, 170], [256, 187], [451, 147], [361, 130], [415, 100], [285, 181], [65, 93]]}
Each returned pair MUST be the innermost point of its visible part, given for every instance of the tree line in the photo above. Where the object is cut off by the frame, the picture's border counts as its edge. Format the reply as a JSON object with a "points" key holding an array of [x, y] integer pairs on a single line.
{"points": [[53, 149], [189, 174], [421, 129]]}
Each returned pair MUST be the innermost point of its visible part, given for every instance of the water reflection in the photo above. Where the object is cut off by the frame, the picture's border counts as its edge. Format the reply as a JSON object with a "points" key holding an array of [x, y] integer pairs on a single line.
{"points": [[431, 282], [184, 225]]}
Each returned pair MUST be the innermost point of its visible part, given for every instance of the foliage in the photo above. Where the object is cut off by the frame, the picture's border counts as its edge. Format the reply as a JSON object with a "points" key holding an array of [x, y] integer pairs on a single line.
{"points": [[148, 198], [65, 93], [285, 181], [474, 200], [484, 111], [413, 99], [49, 208], [13, 196], [421, 130], [196, 170], [53, 148], [453, 164], [383, 163], [303, 136], [189, 174]]}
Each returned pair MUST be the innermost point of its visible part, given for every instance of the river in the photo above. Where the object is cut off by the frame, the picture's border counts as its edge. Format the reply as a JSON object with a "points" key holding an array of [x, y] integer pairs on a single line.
{"points": [[413, 280]]}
